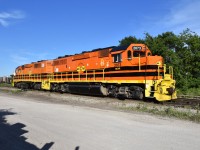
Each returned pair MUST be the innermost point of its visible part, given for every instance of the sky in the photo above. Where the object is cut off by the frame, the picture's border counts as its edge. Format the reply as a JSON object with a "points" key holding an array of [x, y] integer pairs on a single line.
{"points": [[33, 30]]}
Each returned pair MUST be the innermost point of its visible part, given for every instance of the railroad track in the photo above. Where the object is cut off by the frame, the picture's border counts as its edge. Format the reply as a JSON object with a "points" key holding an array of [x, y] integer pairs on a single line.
{"points": [[182, 102], [192, 102]]}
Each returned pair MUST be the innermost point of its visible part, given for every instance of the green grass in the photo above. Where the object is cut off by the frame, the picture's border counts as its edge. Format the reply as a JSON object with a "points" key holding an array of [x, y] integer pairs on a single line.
{"points": [[5, 85], [191, 92], [167, 112], [9, 89]]}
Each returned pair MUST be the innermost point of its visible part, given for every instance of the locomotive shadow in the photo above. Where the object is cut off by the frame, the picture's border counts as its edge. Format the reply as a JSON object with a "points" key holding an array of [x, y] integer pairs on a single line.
{"points": [[11, 136]]}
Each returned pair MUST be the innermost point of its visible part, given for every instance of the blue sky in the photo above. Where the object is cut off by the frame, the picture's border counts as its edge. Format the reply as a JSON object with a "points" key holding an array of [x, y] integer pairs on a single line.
{"points": [[32, 30]]}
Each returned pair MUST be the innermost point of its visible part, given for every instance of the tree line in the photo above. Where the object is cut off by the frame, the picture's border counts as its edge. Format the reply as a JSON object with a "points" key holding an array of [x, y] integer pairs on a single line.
{"points": [[181, 51]]}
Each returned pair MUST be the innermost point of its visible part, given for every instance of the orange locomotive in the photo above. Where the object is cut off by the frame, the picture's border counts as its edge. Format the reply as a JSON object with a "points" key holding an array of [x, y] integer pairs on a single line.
{"points": [[125, 71]]}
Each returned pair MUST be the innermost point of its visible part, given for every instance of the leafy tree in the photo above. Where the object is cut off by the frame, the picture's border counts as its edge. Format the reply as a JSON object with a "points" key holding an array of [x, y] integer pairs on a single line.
{"points": [[130, 39], [190, 56]]}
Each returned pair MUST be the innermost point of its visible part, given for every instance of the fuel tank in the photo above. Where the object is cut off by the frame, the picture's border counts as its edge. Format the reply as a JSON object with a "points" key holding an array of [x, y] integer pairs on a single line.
{"points": [[87, 89]]}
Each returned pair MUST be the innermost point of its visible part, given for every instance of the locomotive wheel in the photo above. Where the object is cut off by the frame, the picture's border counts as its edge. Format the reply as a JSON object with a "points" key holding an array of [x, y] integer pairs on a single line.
{"points": [[140, 95]]}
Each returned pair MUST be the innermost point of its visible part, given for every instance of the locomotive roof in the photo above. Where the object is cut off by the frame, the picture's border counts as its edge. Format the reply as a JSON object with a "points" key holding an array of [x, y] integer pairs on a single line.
{"points": [[94, 50], [63, 56], [99, 49], [119, 48], [41, 60], [114, 49]]}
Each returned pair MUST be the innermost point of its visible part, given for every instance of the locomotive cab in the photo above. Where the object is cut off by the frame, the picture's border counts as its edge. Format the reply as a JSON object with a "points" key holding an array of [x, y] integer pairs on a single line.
{"points": [[143, 75]]}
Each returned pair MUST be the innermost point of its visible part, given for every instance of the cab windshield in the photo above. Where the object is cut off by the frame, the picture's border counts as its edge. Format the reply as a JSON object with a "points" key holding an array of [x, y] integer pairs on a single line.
{"points": [[139, 54]]}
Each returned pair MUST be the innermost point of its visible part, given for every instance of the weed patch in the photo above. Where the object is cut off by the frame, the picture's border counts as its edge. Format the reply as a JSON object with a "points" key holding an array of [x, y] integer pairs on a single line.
{"points": [[186, 114], [5, 85]]}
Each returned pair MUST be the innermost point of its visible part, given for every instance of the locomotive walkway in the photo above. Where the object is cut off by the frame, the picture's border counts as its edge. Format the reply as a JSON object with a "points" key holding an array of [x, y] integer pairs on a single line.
{"points": [[62, 127]]}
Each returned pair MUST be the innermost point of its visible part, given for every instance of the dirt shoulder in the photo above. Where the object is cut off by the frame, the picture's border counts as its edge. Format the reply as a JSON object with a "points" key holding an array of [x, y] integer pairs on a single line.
{"points": [[132, 106]]}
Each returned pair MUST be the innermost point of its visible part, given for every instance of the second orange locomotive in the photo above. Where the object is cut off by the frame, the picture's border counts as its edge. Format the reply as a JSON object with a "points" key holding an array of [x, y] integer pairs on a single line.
{"points": [[125, 71]]}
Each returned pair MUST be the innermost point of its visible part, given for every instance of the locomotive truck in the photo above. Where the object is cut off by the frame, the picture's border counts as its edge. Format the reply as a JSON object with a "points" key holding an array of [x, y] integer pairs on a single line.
{"points": [[120, 71]]}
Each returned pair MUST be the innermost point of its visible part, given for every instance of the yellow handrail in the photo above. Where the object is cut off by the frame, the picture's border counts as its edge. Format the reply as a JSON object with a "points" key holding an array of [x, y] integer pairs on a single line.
{"points": [[164, 69], [171, 71], [94, 74]]}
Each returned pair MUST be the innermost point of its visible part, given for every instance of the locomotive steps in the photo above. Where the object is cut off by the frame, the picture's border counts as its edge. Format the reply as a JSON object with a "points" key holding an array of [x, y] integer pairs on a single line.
{"points": [[172, 109]]}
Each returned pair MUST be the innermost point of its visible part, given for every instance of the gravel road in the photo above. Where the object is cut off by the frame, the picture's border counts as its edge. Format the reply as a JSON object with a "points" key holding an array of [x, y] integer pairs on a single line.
{"points": [[26, 123]]}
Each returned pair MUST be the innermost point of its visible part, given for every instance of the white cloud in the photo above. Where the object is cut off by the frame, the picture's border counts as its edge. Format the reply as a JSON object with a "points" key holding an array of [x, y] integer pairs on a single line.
{"points": [[7, 17], [184, 15]]}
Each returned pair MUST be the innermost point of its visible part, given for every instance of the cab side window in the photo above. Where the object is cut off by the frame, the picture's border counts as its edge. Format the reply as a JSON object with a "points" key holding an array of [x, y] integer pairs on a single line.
{"points": [[117, 57], [149, 54], [129, 55]]}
